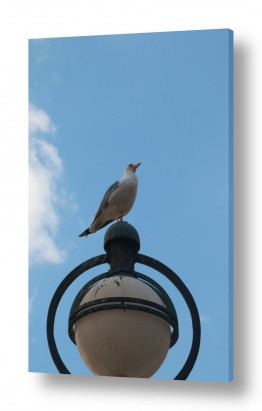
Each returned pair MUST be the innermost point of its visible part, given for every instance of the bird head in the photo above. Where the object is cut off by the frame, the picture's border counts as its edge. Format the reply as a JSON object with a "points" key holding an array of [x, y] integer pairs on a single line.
{"points": [[132, 168]]}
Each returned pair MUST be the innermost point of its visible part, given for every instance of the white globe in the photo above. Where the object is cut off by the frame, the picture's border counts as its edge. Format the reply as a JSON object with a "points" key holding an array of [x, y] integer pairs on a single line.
{"points": [[122, 342]]}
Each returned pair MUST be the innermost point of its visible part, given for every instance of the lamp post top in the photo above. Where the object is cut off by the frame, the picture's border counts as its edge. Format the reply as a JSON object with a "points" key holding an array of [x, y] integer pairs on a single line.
{"points": [[122, 231], [122, 243]]}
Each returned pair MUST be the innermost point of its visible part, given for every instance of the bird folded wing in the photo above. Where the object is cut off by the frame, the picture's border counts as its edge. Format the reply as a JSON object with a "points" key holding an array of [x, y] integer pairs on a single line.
{"points": [[104, 202]]}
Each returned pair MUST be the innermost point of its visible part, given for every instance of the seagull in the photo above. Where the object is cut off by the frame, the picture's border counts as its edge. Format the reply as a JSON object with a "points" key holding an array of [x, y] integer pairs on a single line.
{"points": [[117, 201]]}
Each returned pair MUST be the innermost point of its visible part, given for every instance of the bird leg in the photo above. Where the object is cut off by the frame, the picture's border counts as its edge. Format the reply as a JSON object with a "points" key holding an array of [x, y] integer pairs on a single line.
{"points": [[117, 216]]}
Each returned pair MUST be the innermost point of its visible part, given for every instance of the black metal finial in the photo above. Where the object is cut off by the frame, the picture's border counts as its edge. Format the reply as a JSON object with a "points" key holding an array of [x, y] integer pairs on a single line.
{"points": [[121, 244]]}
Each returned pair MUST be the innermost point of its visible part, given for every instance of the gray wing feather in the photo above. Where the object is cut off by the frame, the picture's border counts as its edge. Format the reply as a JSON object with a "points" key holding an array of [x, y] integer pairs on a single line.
{"points": [[106, 197]]}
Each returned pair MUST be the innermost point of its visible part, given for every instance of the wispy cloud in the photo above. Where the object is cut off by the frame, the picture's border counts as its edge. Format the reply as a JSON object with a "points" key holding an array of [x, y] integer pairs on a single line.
{"points": [[39, 121], [32, 299], [33, 340], [205, 319], [40, 50], [45, 192]]}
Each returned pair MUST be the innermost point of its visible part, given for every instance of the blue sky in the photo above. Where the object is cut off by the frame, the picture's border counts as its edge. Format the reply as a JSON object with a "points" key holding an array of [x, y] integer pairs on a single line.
{"points": [[97, 104]]}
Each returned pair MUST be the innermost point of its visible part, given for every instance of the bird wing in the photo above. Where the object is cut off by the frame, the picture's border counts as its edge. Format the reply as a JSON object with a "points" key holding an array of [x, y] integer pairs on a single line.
{"points": [[106, 197]]}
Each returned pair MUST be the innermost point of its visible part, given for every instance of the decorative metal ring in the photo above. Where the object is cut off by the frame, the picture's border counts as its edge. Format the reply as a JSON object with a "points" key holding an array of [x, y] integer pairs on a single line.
{"points": [[61, 289], [184, 291]]}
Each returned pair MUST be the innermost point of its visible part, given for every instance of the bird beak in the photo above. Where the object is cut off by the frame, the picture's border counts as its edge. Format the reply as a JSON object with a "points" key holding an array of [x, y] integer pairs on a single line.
{"points": [[135, 166]]}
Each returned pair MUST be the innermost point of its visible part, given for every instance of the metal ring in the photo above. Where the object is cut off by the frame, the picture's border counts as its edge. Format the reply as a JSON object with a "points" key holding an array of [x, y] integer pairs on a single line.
{"points": [[61, 289], [184, 291]]}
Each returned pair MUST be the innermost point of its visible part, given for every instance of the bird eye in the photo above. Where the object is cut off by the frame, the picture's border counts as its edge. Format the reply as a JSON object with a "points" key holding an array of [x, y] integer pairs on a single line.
{"points": [[129, 165]]}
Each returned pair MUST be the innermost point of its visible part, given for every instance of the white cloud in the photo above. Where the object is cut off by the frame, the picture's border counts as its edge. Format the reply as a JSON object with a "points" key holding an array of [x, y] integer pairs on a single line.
{"points": [[39, 121], [33, 340], [205, 319], [32, 299], [45, 172]]}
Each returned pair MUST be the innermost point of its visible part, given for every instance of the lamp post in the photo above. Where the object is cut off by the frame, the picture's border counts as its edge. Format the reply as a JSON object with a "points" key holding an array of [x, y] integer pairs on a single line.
{"points": [[122, 321]]}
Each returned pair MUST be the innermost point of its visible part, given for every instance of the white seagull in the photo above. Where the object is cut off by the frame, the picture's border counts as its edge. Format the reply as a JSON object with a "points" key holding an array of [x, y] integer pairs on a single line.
{"points": [[117, 201]]}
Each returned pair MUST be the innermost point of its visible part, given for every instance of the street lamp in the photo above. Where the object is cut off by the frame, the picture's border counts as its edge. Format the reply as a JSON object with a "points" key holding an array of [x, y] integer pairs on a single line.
{"points": [[122, 321]]}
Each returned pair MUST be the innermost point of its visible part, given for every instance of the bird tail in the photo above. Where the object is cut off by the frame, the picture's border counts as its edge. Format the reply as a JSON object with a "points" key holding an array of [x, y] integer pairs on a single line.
{"points": [[85, 233]]}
